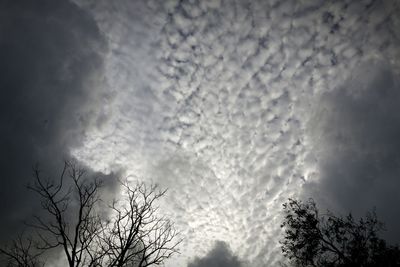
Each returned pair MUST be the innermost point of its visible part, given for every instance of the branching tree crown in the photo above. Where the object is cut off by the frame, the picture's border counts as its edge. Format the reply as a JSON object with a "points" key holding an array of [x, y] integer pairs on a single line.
{"points": [[133, 233], [314, 239], [136, 235]]}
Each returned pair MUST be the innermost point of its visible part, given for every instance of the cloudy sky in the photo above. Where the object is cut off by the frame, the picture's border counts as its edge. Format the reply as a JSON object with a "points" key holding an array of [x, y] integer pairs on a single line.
{"points": [[234, 105]]}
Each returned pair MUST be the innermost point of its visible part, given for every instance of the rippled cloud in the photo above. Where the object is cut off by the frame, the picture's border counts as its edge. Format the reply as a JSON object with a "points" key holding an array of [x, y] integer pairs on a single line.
{"points": [[215, 100]]}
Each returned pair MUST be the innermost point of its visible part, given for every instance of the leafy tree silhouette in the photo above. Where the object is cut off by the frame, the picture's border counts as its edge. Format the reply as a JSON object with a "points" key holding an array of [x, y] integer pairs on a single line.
{"points": [[314, 239]]}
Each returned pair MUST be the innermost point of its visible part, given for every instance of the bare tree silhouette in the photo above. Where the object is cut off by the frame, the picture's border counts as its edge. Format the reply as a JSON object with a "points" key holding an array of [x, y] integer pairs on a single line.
{"points": [[136, 236], [22, 253], [131, 234], [74, 234]]}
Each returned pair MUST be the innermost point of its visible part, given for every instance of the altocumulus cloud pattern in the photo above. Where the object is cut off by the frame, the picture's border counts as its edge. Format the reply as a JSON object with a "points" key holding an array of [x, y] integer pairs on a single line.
{"points": [[220, 102], [237, 105]]}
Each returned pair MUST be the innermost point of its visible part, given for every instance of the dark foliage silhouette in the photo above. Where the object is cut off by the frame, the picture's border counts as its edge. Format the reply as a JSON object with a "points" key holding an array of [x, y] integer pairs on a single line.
{"points": [[314, 239]]}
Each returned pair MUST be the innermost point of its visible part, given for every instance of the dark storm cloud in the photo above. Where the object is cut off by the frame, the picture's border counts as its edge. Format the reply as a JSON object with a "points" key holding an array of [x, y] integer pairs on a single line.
{"points": [[359, 148], [51, 56], [219, 256]]}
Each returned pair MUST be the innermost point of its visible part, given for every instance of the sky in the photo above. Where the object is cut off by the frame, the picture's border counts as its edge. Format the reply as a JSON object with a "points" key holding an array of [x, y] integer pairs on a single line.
{"points": [[233, 105]]}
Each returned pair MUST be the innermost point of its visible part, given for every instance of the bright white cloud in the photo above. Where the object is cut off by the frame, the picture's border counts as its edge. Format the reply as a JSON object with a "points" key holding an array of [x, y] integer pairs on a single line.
{"points": [[212, 99]]}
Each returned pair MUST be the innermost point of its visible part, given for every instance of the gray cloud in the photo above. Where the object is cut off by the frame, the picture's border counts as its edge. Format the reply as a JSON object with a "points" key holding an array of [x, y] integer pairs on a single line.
{"points": [[51, 61], [213, 99], [219, 256], [358, 148]]}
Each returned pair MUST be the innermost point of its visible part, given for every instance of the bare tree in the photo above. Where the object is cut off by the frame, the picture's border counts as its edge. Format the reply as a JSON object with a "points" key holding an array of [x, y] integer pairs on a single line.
{"points": [[22, 253], [71, 221], [131, 235], [135, 235]]}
